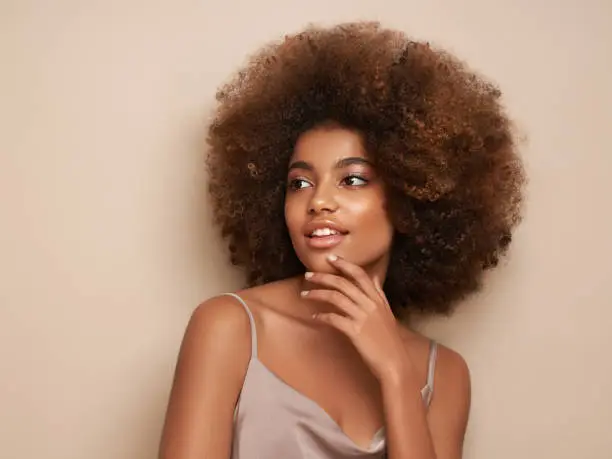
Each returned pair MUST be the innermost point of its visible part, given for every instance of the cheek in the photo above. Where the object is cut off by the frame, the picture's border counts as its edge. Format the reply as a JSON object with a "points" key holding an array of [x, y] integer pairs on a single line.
{"points": [[292, 214], [372, 218], [368, 208]]}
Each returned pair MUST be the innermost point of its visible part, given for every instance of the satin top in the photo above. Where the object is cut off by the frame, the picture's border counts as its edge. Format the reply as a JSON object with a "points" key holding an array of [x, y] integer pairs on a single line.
{"points": [[274, 420]]}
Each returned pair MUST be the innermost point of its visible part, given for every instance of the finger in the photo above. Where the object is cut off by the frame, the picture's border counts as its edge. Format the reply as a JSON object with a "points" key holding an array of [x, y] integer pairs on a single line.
{"points": [[337, 321], [334, 297], [381, 292], [380, 288], [377, 283], [341, 284], [357, 273]]}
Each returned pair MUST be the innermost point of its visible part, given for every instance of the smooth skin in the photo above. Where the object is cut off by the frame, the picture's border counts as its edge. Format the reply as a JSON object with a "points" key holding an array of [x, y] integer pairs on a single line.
{"points": [[356, 361]]}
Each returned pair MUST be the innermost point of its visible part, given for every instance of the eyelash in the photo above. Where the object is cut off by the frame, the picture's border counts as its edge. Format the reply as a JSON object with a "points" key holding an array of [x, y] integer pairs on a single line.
{"points": [[293, 183]]}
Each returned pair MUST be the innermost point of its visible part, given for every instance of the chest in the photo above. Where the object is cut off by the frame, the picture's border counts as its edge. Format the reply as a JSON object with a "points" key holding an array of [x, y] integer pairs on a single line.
{"points": [[325, 370]]}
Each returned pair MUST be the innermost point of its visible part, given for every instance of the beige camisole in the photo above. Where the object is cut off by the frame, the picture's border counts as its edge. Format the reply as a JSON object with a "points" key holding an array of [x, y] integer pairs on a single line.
{"points": [[273, 420]]}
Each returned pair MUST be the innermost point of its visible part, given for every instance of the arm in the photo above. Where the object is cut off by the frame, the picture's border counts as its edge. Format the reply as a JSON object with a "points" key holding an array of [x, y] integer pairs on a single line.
{"points": [[367, 320], [413, 432], [208, 378]]}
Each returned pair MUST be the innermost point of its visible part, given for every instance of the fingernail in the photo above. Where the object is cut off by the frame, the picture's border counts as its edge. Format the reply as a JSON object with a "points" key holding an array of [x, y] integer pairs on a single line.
{"points": [[315, 315], [304, 293], [307, 275], [332, 257]]}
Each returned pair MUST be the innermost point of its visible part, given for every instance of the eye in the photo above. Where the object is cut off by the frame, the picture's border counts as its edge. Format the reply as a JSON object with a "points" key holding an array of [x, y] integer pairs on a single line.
{"points": [[354, 180], [298, 184]]}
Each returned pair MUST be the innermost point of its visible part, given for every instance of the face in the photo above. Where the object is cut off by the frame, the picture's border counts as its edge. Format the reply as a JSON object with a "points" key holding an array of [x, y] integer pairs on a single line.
{"points": [[335, 203]]}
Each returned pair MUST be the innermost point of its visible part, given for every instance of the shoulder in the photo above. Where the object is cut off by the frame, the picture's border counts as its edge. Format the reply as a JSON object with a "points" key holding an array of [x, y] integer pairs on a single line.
{"points": [[273, 298], [209, 374], [452, 382], [218, 329], [221, 316], [451, 396], [449, 410], [449, 364]]}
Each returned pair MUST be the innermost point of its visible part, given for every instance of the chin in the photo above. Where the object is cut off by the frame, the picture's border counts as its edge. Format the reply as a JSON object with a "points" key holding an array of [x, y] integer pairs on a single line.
{"points": [[317, 262]]}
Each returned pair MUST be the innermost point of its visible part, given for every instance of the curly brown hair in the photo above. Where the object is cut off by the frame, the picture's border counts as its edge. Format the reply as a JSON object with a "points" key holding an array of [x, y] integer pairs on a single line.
{"points": [[438, 135]]}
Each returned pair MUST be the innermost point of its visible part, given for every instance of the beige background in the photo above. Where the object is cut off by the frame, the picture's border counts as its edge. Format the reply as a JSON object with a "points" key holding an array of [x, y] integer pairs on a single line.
{"points": [[105, 244]]}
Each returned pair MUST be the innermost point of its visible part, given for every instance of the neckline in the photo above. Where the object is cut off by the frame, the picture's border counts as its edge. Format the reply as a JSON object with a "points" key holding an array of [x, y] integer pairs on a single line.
{"points": [[378, 438]]}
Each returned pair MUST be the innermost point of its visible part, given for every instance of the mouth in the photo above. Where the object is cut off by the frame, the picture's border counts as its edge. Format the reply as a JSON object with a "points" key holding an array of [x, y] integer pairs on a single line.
{"points": [[324, 235]]}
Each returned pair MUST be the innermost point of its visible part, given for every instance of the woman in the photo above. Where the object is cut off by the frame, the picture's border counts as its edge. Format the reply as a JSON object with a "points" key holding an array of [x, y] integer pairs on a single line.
{"points": [[360, 177]]}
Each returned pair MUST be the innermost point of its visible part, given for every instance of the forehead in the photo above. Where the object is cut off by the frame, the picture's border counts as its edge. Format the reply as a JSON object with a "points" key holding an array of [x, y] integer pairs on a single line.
{"points": [[327, 145]]}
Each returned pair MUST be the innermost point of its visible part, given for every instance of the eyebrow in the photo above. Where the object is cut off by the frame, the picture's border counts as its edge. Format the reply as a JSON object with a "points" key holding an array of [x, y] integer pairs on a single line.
{"points": [[344, 162]]}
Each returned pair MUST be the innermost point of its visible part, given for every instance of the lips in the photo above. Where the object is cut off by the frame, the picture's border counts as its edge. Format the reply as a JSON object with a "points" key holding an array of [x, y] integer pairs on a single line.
{"points": [[324, 234]]}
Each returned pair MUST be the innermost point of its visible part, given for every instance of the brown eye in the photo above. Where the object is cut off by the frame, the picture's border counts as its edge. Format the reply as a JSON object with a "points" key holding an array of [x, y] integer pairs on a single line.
{"points": [[354, 180], [298, 184]]}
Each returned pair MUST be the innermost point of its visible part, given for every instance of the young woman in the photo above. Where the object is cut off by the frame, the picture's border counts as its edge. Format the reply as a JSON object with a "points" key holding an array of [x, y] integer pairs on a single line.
{"points": [[359, 177]]}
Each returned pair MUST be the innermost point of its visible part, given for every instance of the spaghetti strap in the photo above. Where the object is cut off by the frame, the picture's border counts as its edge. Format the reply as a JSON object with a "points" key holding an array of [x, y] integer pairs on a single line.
{"points": [[251, 320], [433, 353]]}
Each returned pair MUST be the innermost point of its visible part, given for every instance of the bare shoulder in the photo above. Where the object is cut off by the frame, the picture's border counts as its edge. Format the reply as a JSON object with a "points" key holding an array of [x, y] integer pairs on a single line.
{"points": [[452, 367], [270, 298], [450, 364], [224, 322], [449, 410], [218, 331], [210, 370], [452, 387], [222, 325], [220, 319]]}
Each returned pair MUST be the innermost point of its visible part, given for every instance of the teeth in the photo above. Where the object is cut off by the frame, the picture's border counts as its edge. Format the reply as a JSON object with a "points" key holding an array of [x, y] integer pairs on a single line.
{"points": [[321, 232]]}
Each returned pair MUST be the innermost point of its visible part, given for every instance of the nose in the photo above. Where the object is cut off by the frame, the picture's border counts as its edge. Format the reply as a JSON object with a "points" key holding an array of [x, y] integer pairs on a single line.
{"points": [[322, 201]]}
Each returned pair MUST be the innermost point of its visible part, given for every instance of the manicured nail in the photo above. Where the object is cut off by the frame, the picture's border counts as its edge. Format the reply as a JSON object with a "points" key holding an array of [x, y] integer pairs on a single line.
{"points": [[332, 257], [307, 275], [304, 293]]}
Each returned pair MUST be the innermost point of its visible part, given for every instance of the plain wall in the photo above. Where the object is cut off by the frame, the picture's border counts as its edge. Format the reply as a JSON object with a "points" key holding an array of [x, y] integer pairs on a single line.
{"points": [[105, 238]]}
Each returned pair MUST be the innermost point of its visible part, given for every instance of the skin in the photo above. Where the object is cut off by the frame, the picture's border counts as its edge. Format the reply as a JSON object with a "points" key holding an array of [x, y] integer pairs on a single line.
{"points": [[357, 362], [331, 179]]}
